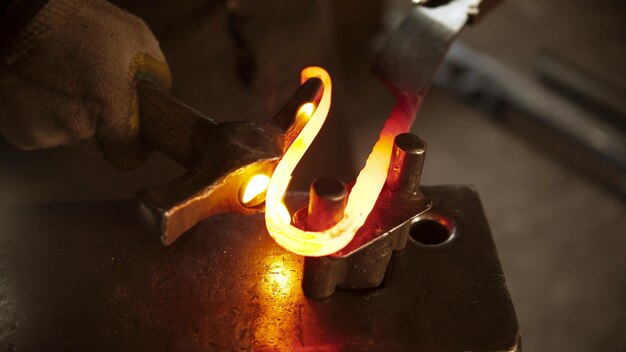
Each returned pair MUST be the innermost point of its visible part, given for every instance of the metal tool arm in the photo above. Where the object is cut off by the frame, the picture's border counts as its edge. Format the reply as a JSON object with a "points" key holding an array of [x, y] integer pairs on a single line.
{"points": [[414, 51]]}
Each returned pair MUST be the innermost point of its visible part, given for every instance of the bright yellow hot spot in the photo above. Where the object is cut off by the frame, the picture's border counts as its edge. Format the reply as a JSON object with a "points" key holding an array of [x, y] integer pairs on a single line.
{"points": [[255, 187], [306, 110], [362, 197]]}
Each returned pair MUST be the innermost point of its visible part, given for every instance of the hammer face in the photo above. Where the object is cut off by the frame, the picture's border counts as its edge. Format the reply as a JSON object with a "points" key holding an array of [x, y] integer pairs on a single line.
{"points": [[232, 154]]}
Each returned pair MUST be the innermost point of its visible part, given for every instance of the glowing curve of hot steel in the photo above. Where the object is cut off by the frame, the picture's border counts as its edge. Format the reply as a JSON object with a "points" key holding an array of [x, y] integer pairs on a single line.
{"points": [[364, 193]]}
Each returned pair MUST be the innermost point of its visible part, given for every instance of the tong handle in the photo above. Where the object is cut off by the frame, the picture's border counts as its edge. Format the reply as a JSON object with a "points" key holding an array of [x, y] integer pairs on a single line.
{"points": [[170, 126]]}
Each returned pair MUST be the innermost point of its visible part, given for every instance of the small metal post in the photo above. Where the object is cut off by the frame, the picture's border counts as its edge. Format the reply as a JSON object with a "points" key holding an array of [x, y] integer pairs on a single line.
{"points": [[327, 201], [403, 177], [405, 168]]}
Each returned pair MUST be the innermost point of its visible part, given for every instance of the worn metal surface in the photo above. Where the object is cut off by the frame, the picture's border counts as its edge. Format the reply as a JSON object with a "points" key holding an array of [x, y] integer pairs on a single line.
{"points": [[220, 158], [85, 276]]}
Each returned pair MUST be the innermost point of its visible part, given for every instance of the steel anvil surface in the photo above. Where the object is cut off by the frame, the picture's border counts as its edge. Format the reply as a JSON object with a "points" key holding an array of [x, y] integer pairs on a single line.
{"points": [[85, 276]]}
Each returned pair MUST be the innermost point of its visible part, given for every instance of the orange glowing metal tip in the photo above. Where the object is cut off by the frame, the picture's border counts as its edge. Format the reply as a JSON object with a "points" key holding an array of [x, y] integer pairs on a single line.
{"points": [[363, 195], [255, 187]]}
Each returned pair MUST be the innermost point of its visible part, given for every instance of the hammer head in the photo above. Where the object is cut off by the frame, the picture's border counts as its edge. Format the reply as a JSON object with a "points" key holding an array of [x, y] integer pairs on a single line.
{"points": [[234, 152]]}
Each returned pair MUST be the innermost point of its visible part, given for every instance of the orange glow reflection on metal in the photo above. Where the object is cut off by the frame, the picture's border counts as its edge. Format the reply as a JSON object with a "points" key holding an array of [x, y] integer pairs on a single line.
{"points": [[280, 277], [278, 296], [363, 195]]}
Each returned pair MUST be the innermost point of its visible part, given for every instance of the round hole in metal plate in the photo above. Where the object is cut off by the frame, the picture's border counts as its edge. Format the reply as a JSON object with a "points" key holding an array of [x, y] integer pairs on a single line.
{"points": [[431, 230]]}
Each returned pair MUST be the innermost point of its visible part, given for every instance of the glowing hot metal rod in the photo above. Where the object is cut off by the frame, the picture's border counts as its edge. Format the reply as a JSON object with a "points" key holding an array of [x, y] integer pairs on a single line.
{"points": [[363, 195]]}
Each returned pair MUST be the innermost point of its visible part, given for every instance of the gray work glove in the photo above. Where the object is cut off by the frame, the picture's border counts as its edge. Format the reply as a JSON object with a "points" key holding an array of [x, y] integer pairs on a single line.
{"points": [[70, 77]]}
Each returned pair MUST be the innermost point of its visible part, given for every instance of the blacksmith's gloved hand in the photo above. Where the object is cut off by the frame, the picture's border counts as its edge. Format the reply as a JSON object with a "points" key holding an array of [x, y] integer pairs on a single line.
{"points": [[68, 76]]}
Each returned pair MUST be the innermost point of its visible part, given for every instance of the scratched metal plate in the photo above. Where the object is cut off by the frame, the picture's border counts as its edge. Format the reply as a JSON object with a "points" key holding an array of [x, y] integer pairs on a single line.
{"points": [[84, 276]]}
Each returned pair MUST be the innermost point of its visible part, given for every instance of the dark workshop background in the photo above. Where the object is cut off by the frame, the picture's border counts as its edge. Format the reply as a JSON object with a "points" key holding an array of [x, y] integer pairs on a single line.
{"points": [[560, 231]]}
